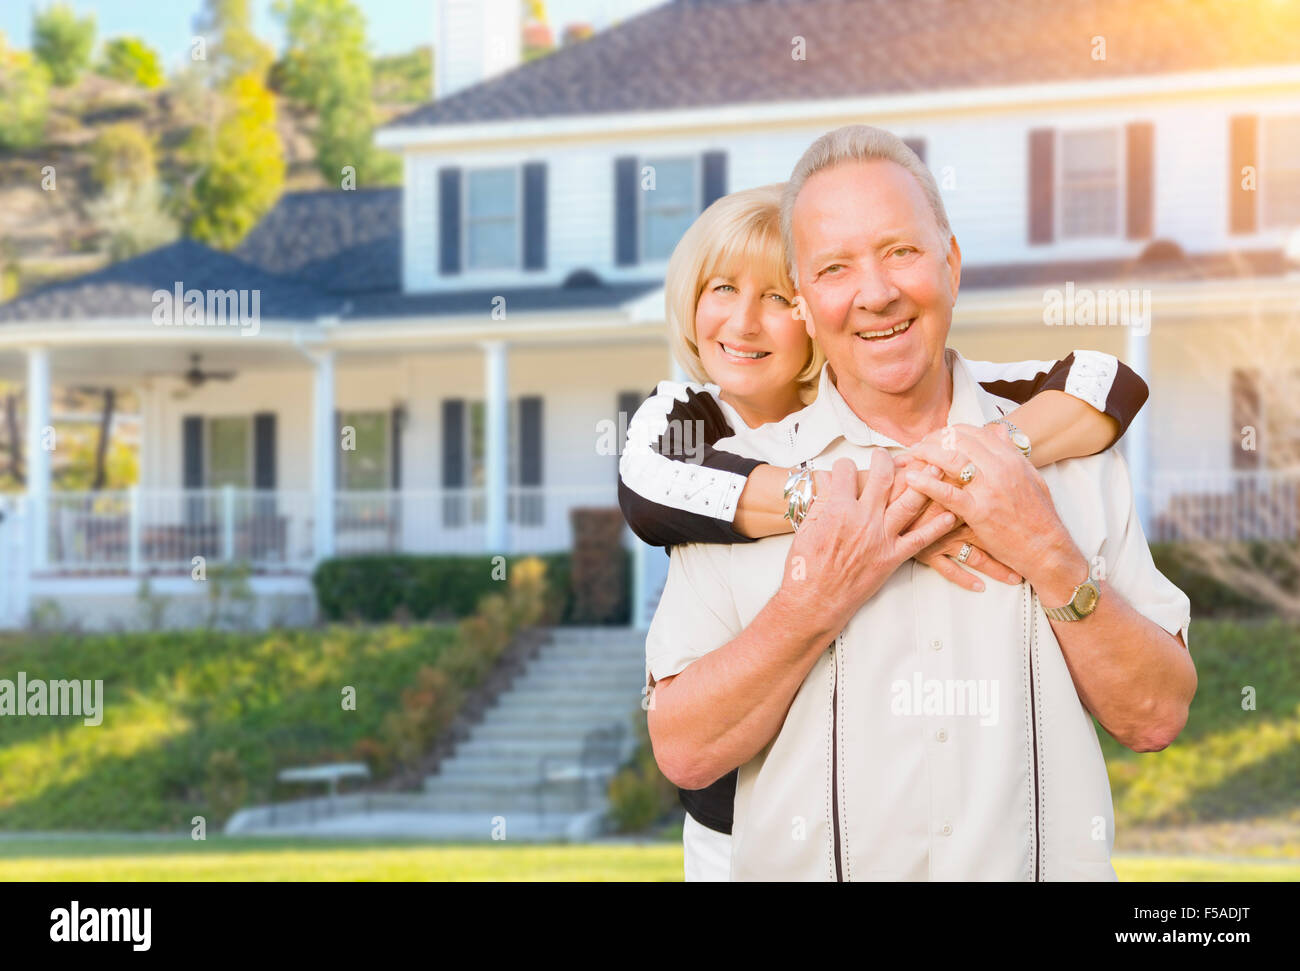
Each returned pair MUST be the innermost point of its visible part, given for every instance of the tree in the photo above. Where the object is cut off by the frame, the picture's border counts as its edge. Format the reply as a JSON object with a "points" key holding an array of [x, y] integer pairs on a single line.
{"points": [[326, 69], [24, 98], [62, 41], [122, 154], [133, 219], [232, 49], [238, 164], [131, 60]]}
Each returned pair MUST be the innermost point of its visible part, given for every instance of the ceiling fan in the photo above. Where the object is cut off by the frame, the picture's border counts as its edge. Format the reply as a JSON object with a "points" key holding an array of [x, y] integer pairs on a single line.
{"points": [[195, 377]]}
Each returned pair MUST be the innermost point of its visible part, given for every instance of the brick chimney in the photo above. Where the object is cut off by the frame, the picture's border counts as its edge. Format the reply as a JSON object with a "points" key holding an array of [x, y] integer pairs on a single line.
{"points": [[477, 39]]}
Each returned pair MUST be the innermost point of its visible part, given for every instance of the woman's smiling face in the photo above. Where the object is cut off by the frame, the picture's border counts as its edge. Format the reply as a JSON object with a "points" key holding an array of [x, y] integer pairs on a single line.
{"points": [[750, 343]]}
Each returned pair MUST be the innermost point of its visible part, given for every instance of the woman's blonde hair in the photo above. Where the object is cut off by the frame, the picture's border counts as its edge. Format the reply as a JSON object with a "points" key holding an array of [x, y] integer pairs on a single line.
{"points": [[740, 229]]}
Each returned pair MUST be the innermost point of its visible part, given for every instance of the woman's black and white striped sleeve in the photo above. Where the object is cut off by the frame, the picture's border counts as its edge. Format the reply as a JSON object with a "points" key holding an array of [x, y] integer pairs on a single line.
{"points": [[1097, 379], [674, 486]]}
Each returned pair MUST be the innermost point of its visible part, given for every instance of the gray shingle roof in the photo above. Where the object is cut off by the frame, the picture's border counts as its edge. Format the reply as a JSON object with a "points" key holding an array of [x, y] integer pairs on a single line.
{"points": [[126, 289], [695, 53], [340, 242]]}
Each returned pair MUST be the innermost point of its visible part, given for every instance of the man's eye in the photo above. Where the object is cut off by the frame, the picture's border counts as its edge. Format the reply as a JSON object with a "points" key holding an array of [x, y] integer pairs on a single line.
{"points": [[906, 250], [830, 269]]}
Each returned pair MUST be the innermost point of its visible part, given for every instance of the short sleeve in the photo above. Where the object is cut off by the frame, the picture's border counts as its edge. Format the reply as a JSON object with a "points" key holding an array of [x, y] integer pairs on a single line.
{"points": [[697, 612], [1126, 557]]}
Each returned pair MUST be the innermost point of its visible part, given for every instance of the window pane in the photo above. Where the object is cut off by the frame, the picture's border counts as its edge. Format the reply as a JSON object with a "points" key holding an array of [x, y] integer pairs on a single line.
{"points": [[492, 245], [228, 452], [1281, 172], [477, 445], [492, 193], [1090, 153], [1090, 190], [366, 466], [674, 183], [663, 228]]}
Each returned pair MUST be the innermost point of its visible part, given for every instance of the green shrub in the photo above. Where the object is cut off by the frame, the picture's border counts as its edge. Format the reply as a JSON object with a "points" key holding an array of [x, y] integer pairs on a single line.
{"points": [[131, 60], [640, 795], [375, 588], [1214, 598]]}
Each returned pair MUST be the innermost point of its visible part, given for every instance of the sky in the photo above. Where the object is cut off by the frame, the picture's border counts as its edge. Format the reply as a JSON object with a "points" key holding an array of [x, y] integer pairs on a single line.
{"points": [[393, 25]]}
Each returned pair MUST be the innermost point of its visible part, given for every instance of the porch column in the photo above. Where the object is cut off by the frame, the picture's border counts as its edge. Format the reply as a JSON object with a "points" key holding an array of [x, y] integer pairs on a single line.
{"points": [[496, 418], [325, 453], [1137, 441], [38, 456]]}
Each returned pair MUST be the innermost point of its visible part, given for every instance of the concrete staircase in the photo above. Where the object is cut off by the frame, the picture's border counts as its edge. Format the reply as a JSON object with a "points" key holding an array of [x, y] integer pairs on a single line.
{"points": [[585, 678]]}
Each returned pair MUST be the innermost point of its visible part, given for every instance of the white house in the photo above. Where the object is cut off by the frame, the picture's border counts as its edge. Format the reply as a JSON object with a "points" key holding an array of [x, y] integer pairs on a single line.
{"points": [[1123, 177]]}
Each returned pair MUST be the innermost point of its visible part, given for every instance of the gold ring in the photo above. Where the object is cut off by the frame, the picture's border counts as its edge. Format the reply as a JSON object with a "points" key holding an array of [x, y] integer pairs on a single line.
{"points": [[967, 473]]}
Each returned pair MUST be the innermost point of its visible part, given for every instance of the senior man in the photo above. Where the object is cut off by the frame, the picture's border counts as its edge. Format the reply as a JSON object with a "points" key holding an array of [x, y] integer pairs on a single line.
{"points": [[839, 674]]}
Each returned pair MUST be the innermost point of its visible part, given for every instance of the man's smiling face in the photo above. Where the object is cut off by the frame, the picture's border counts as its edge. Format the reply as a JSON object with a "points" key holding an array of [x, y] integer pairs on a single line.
{"points": [[874, 274]]}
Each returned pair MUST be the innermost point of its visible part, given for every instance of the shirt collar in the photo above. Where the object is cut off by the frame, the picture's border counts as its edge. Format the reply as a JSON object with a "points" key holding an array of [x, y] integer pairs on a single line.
{"points": [[829, 418]]}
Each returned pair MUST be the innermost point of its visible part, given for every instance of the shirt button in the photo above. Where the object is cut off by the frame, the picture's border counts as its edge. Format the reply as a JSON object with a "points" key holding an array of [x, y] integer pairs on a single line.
{"points": [[947, 829], [941, 735], [937, 645]]}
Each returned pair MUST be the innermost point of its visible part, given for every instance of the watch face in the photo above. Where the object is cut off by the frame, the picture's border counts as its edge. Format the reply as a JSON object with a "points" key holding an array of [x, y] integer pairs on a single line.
{"points": [[1085, 601]]}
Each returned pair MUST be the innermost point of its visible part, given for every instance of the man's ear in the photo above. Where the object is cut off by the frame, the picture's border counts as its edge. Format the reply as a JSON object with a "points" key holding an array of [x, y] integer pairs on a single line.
{"points": [[801, 312], [954, 265]]}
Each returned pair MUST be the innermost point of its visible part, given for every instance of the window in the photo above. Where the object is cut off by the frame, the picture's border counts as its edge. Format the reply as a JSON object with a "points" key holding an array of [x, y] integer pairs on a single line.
{"points": [[367, 465], [530, 510], [1280, 172], [668, 209], [1089, 178], [230, 452], [492, 219]]}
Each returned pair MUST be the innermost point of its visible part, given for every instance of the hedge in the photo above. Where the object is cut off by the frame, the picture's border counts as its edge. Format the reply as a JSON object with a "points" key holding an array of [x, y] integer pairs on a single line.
{"points": [[380, 588], [1213, 598]]}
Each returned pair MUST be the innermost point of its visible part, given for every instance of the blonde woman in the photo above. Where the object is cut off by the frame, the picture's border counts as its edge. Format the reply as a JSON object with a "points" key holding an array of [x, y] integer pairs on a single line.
{"points": [[735, 329]]}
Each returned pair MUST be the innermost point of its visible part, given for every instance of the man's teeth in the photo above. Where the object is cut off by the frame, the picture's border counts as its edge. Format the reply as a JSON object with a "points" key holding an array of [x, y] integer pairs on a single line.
{"points": [[896, 329], [751, 354]]}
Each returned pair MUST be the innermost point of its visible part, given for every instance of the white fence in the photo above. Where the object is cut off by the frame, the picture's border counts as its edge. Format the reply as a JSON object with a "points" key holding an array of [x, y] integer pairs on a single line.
{"points": [[14, 572], [1225, 506]]}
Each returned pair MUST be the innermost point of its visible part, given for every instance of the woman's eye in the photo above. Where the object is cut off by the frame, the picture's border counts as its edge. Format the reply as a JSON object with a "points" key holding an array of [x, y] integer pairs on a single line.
{"points": [[780, 299], [723, 286]]}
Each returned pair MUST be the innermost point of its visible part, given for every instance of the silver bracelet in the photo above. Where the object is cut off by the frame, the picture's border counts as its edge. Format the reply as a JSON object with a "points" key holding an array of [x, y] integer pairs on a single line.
{"points": [[1018, 438], [799, 493]]}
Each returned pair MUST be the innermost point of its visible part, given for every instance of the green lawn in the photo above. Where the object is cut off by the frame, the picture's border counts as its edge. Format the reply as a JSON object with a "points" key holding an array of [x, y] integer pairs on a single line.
{"points": [[274, 860]]}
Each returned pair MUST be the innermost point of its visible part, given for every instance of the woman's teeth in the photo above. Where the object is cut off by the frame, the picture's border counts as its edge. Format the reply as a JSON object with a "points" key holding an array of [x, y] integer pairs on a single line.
{"points": [[745, 354], [873, 335]]}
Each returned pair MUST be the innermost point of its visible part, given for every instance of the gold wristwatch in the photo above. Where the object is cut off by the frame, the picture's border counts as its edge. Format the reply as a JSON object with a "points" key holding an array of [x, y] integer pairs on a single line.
{"points": [[1082, 602]]}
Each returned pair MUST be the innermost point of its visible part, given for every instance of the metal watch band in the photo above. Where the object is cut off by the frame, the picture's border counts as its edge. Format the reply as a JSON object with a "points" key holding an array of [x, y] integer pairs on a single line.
{"points": [[1027, 448]]}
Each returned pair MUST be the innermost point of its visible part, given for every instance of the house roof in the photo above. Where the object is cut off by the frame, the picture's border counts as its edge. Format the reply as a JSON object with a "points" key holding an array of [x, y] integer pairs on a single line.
{"points": [[126, 289], [699, 53], [340, 242]]}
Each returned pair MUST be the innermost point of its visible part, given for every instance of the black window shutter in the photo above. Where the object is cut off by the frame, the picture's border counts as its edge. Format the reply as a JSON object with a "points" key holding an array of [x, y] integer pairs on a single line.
{"points": [[625, 211], [395, 436], [453, 443], [264, 450], [1245, 413], [715, 177], [1042, 176], [535, 216], [530, 440], [1140, 201], [192, 457], [449, 221], [917, 145], [1243, 137]]}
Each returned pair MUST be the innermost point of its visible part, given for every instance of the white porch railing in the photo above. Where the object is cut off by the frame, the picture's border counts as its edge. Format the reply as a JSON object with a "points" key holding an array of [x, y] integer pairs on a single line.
{"points": [[162, 530], [1225, 506]]}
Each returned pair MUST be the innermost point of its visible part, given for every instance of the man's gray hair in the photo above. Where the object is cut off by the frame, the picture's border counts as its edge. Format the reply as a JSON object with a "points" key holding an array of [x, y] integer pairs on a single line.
{"points": [[857, 143]]}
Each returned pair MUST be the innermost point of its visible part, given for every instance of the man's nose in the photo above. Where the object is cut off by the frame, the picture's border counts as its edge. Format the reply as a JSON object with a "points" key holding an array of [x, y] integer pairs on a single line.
{"points": [[876, 289]]}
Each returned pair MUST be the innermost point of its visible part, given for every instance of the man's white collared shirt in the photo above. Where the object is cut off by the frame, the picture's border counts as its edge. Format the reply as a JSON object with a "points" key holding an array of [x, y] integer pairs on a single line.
{"points": [[940, 736]]}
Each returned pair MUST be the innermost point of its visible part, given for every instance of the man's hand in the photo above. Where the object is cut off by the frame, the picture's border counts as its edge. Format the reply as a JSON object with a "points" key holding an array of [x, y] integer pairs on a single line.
{"points": [[850, 544], [1007, 507]]}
